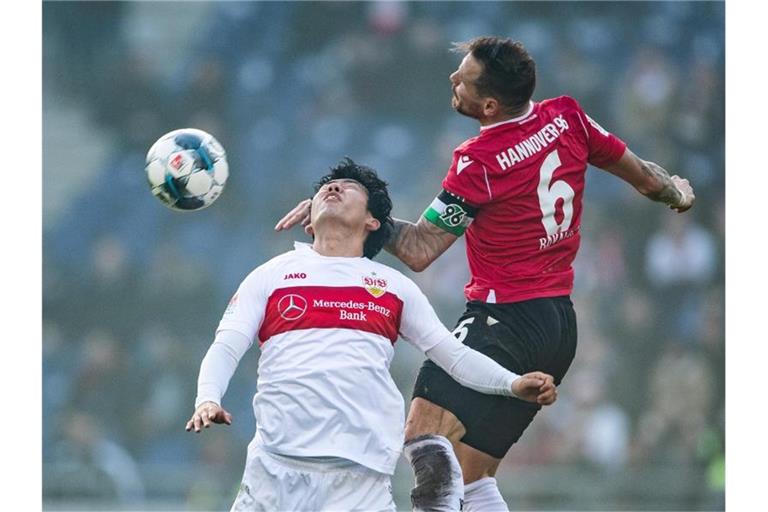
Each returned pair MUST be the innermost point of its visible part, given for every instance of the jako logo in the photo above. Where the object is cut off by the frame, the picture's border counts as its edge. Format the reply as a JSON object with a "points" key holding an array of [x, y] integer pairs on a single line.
{"points": [[296, 275]]}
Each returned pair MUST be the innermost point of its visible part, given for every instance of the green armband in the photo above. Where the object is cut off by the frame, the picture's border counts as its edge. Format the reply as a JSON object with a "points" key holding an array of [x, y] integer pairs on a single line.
{"points": [[450, 213]]}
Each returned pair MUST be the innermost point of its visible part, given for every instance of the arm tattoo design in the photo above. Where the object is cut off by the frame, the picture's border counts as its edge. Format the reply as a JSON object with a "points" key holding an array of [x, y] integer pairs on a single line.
{"points": [[396, 238], [415, 244], [668, 193]]}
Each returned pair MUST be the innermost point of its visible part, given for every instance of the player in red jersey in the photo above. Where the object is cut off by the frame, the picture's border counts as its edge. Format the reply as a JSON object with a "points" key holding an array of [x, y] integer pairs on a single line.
{"points": [[516, 191]]}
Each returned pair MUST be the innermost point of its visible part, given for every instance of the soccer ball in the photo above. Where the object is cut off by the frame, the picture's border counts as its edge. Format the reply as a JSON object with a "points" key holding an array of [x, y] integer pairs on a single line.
{"points": [[187, 169]]}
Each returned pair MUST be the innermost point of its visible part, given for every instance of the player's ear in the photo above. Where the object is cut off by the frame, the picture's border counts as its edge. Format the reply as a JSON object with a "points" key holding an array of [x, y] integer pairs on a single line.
{"points": [[372, 223], [490, 107], [308, 229]]}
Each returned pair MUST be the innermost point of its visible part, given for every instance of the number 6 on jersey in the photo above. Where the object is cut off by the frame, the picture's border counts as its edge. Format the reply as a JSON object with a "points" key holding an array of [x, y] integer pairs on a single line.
{"points": [[549, 194]]}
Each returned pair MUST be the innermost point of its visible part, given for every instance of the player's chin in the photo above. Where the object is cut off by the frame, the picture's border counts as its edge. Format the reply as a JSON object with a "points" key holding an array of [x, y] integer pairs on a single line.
{"points": [[461, 109]]}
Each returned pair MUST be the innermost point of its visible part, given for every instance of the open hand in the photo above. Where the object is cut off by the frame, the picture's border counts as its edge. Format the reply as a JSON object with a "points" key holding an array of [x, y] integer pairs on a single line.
{"points": [[300, 214], [536, 387], [207, 413]]}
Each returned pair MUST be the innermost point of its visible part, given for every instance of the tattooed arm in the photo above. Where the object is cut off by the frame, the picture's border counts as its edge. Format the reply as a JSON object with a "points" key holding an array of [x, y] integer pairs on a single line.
{"points": [[653, 181], [417, 245]]}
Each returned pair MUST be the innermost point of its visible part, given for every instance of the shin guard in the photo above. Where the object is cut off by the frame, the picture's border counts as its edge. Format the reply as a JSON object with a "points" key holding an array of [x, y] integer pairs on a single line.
{"points": [[439, 485]]}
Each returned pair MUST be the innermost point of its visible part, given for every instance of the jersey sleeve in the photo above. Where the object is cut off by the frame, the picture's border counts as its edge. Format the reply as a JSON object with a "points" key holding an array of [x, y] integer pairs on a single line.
{"points": [[465, 190], [604, 147], [467, 178], [419, 324], [245, 311], [219, 364]]}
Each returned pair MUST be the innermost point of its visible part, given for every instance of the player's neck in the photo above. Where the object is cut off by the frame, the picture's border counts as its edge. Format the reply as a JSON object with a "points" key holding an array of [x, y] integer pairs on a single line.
{"points": [[503, 116], [339, 243]]}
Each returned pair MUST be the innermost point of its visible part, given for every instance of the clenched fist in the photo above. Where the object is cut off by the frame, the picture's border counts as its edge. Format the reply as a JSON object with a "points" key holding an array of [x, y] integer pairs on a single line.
{"points": [[536, 387], [686, 191]]}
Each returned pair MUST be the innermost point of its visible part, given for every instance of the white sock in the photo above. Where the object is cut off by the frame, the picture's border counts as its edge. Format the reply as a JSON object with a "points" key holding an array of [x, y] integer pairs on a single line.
{"points": [[483, 496], [439, 485]]}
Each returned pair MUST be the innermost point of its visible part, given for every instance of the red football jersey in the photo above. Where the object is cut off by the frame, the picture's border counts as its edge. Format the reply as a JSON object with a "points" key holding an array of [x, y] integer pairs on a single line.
{"points": [[517, 188]]}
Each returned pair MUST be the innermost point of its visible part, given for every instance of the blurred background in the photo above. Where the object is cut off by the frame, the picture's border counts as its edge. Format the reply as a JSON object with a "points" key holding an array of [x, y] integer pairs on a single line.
{"points": [[132, 291]]}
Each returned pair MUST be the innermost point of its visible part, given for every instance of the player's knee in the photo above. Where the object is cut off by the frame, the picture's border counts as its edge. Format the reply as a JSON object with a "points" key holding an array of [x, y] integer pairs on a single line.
{"points": [[438, 482], [475, 464], [426, 418]]}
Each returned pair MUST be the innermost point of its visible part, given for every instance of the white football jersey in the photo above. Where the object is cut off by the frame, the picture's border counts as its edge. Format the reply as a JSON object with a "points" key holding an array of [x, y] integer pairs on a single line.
{"points": [[327, 327]]}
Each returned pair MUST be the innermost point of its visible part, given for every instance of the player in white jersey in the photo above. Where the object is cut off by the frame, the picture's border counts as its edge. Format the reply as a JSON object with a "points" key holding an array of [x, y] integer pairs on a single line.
{"points": [[330, 419]]}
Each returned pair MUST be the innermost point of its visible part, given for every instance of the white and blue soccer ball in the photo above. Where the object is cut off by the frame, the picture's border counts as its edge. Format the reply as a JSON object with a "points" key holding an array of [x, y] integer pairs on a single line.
{"points": [[187, 169]]}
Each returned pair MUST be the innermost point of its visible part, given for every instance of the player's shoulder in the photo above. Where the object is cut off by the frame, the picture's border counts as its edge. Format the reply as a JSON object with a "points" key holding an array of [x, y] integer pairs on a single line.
{"points": [[560, 103], [280, 259], [467, 146], [383, 269], [268, 267]]}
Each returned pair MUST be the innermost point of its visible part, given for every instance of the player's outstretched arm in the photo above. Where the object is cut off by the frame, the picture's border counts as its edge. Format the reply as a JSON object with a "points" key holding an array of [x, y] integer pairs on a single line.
{"points": [[653, 181], [206, 414], [479, 372], [418, 245], [216, 370]]}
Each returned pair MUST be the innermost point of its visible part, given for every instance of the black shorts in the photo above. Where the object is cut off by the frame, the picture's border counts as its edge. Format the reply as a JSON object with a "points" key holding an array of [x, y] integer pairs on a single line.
{"points": [[537, 334]]}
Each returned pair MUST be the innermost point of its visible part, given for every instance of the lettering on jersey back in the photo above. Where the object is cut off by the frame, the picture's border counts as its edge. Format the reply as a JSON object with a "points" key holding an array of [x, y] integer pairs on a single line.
{"points": [[550, 240], [295, 275], [534, 144]]}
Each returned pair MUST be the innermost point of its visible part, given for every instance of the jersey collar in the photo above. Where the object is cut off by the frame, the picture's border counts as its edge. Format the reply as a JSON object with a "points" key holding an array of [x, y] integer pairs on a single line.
{"points": [[307, 249], [514, 119]]}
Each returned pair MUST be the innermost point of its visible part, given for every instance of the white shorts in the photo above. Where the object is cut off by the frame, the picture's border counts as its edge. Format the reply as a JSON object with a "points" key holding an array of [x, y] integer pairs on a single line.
{"points": [[274, 483]]}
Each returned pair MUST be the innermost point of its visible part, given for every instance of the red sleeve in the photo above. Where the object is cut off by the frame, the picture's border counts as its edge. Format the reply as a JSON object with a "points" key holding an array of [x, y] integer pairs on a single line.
{"points": [[604, 148], [467, 178]]}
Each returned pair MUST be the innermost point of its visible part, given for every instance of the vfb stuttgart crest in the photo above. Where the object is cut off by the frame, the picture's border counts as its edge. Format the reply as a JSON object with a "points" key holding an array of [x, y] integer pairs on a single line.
{"points": [[375, 285]]}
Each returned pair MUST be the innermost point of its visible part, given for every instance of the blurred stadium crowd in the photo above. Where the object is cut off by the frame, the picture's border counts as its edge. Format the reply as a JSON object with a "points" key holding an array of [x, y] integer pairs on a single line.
{"points": [[133, 291]]}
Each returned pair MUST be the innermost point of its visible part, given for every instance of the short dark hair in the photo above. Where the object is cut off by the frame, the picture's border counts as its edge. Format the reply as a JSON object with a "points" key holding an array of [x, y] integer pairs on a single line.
{"points": [[379, 203], [509, 72]]}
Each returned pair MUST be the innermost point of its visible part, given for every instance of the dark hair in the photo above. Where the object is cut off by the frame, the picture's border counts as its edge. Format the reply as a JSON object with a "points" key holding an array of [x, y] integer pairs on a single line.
{"points": [[509, 73], [379, 203]]}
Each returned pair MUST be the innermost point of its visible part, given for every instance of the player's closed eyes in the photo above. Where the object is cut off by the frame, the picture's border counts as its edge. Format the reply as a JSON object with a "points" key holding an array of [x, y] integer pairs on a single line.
{"points": [[346, 184]]}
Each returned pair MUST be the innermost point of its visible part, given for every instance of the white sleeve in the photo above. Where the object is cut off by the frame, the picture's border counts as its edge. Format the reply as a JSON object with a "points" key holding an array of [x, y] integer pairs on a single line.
{"points": [[472, 369], [419, 324], [245, 310], [219, 364]]}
